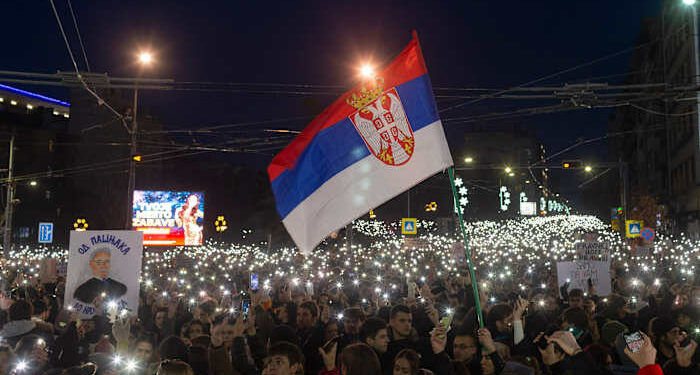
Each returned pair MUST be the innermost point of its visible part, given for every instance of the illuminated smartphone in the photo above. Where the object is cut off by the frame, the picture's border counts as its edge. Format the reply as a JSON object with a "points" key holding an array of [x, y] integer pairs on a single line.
{"points": [[412, 289], [245, 306], [254, 281], [446, 321], [634, 341]]}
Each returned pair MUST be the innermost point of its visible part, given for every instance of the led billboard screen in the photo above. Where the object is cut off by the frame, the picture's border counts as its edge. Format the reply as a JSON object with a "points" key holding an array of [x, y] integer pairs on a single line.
{"points": [[169, 218]]}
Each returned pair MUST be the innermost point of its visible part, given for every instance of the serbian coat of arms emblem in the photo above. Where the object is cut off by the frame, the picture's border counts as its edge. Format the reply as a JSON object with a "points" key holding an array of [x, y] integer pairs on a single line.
{"points": [[381, 121]]}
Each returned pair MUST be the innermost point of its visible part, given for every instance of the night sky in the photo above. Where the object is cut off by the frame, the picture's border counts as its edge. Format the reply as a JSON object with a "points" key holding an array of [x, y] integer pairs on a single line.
{"points": [[472, 44]]}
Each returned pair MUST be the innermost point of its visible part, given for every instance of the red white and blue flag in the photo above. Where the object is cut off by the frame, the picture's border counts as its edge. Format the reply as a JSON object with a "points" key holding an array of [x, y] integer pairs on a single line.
{"points": [[373, 143]]}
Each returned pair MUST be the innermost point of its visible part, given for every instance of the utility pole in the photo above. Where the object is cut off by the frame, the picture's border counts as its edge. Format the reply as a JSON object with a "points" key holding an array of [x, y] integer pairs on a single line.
{"points": [[623, 197], [7, 243], [696, 57], [132, 162], [408, 204]]}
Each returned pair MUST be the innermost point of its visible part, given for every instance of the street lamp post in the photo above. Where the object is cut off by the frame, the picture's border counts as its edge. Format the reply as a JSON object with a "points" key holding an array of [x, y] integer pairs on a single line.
{"points": [[144, 59], [7, 238], [132, 160], [696, 56]]}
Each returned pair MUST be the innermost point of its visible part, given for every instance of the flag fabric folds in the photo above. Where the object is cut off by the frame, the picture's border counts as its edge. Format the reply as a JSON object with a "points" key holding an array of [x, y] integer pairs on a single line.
{"points": [[373, 143]]}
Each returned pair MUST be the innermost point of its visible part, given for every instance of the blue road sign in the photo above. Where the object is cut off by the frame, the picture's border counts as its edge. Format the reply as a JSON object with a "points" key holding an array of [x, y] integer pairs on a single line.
{"points": [[409, 226], [45, 232], [648, 234], [634, 228]]}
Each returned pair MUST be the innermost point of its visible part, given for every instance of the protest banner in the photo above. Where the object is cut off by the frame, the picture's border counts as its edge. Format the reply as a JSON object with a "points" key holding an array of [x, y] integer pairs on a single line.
{"points": [[577, 275], [47, 270], [599, 251], [104, 263]]}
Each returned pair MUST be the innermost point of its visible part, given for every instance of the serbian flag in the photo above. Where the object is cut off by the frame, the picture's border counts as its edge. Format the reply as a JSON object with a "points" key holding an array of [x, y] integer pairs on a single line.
{"points": [[373, 143]]}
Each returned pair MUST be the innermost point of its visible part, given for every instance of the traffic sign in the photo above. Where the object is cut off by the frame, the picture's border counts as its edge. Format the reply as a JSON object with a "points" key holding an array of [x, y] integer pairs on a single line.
{"points": [[409, 226], [648, 234], [615, 225], [633, 228], [45, 232]]}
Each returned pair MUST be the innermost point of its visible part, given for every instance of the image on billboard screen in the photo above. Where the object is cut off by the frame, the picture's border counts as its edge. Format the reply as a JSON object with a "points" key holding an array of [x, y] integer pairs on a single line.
{"points": [[169, 218]]}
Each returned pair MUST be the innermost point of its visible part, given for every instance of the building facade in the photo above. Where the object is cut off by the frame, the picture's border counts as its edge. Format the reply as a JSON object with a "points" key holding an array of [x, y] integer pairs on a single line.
{"points": [[39, 126], [658, 133]]}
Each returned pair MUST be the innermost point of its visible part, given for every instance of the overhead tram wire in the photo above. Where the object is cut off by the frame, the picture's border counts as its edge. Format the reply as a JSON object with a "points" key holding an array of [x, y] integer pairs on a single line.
{"points": [[156, 156], [211, 128], [100, 101], [77, 32], [592, 62]]}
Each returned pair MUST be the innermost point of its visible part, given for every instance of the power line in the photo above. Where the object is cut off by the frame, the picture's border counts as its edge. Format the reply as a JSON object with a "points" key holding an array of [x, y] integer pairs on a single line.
{"points": [[77, 31], [594, 61], [100, 101]]}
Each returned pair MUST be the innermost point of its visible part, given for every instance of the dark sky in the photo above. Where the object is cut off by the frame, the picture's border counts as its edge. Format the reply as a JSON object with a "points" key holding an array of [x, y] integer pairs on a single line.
{"points": [[485, 43]]}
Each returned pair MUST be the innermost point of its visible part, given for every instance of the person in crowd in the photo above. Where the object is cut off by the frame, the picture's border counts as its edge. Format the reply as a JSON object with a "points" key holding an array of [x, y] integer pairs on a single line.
{"points": [[374, 333], [32, 354], [406, 362], [20, 323], [283, 358], [372, 325], [143, 351], [575, 320], [666, 336], [357, 359], [464, 353], [500, 322], [576, 298], [174, 367]]}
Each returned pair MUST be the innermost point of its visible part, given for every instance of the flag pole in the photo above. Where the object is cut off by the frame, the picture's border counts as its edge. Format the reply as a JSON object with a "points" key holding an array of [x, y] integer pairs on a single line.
{"points": [[480, 318]]}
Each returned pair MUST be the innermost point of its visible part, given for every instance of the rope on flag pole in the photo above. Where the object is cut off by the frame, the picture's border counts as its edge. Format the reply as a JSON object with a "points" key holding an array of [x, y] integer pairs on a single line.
{"points": [[450, 170]]}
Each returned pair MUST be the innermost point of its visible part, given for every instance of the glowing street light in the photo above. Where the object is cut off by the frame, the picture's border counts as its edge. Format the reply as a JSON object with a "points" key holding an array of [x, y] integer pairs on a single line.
{"points": [[508, 169], [367, 71], [689, 2], [32, 183], [588, 168], [469, 159], [145, 58]]}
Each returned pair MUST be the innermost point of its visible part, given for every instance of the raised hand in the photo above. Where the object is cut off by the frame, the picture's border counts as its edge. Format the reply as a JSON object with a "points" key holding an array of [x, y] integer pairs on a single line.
{"points": [[239, 327], [250, 324], [549, 355], [684, 355], [520, 306], [486, 340], [329, 356], [432, 313], [566, 341], [438, 339], [121, 329], [646, 355]]}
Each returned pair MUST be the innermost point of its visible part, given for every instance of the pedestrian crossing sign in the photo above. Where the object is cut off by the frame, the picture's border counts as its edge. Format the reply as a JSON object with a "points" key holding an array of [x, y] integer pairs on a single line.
{"points": [[409, 226], [633, 228]]}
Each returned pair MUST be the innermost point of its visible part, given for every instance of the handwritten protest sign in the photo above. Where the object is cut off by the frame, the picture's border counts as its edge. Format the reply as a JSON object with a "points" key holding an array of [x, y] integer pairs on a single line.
{"points": [[593, 251], [577, 275], [104, 263]]}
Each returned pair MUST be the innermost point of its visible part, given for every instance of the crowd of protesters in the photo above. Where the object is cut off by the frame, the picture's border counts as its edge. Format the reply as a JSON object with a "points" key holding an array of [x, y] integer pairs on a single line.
{"points": [[431, 326]]}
